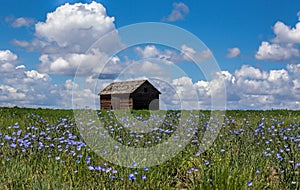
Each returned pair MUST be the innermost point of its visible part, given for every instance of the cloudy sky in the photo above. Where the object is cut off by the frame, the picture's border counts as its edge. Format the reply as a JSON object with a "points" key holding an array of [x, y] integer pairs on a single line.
{"points": [[58, 53]]}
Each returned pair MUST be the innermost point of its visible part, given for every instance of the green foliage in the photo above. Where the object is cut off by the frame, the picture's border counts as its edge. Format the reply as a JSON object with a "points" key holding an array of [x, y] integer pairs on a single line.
{"points": [[254, 150]]}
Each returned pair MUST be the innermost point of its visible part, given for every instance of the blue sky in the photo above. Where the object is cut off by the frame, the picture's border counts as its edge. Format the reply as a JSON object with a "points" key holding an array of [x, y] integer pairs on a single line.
{"points": [[255, 43]]}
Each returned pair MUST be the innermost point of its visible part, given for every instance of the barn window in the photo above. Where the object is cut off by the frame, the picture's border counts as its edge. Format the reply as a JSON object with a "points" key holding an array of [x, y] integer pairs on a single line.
{"points": [[145, 90]]}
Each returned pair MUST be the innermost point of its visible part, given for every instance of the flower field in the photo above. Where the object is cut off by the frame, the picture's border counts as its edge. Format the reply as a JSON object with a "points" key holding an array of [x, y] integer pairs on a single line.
{"points": [[43, 149]]}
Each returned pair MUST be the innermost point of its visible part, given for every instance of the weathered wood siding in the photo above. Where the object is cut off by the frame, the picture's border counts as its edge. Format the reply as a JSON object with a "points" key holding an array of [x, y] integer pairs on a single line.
{"points": [[121, 102], [126, 103], [105, 102], [145, 96]]}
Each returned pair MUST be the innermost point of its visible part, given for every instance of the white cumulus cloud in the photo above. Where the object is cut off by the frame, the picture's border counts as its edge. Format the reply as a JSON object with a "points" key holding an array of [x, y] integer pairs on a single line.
{"points": [[68, 33], [294, 69], [278, 75], [276, 52], [233, 52], [78, 25], [190, 54], [35, 75], [7, 55], [8, 93], [249, 72], [22, 21], [20, 67], [7, 62], [246, 88], [167, 56], [283, 47], [148, 52], [179, 12], [286, 34], [90, 63]]}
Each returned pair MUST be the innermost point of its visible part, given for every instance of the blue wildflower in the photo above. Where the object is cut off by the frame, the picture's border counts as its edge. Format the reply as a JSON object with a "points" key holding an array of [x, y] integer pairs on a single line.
{"points": [[7, 137], [91, 167], [235, 131], [13, 145], [16, 126], [19, 132], [131, 177], [249, 183], [88, 160], [114, 171], [279, 157], [97, 168], [108, 169]]}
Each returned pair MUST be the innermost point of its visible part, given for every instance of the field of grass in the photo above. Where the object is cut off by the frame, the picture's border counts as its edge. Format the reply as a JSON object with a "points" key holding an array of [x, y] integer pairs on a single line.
{"points": [[42, 149]]}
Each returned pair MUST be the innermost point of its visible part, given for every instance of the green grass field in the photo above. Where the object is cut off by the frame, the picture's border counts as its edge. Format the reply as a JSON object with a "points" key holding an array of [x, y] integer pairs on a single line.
{"points": [[42, 149]]}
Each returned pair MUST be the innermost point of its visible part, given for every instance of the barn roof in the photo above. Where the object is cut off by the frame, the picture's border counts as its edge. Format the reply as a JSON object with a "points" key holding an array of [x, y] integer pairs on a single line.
{"points": [[125, 87]]}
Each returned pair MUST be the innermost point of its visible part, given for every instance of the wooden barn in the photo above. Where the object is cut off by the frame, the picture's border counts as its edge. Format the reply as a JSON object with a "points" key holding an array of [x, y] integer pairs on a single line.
{"points": [[138, 94]]}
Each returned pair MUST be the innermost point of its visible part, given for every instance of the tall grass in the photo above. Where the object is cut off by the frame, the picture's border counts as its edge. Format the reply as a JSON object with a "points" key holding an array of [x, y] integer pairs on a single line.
{"points": [[42, 149]]}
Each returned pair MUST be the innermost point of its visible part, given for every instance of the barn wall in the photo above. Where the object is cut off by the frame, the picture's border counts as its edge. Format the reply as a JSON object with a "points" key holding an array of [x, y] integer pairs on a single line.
{"points": [[105, 102], [121, 102], [126, 103], [146, 97]]}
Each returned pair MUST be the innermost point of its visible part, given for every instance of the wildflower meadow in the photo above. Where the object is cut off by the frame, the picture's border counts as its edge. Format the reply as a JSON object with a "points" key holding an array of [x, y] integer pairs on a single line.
{"points": [[44, 149]]}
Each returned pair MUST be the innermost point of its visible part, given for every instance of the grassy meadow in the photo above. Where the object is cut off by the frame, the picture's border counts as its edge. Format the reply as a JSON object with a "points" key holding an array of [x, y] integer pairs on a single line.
{"points": [[43, 149]]}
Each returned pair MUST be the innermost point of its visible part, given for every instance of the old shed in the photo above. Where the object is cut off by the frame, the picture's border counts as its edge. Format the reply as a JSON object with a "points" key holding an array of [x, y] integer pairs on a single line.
{"points": [[138, 94]]}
